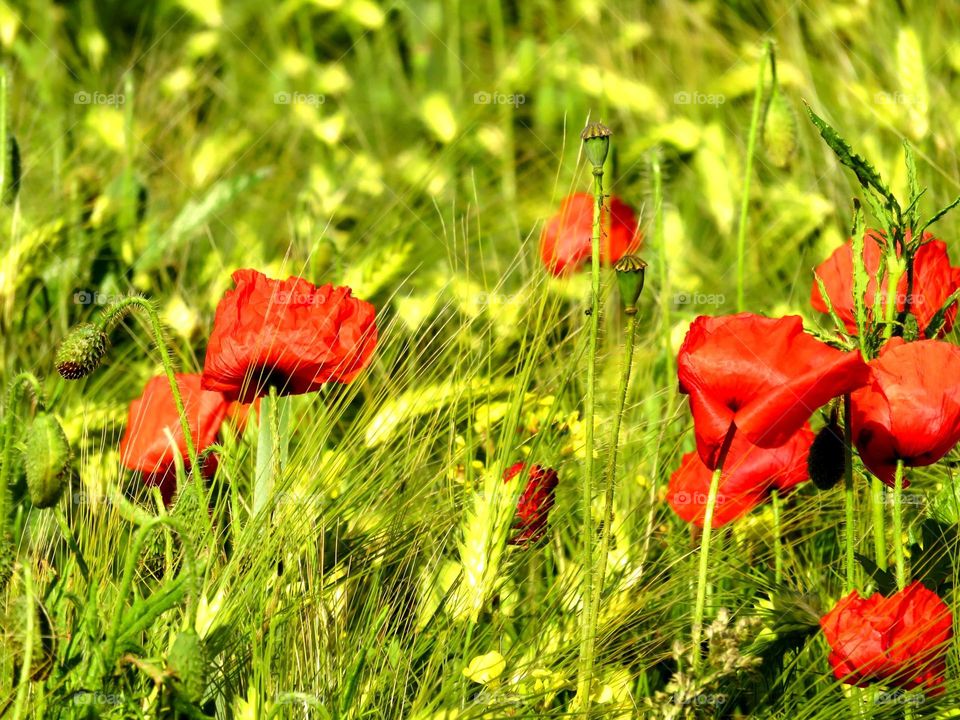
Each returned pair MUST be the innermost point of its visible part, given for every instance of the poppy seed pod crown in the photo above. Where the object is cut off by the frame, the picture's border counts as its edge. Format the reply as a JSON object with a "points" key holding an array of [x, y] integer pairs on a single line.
{"points": [[596, 143], [630, 271], [81, 351]]}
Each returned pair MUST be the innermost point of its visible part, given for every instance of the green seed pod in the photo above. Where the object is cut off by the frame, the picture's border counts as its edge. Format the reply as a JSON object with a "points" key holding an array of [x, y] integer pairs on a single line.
{"points": [[596, 143], [81, 351], [46, 460], [188, 662], [779, 130], [42, 645], [825, 463], [630, 272], [14, 171]]}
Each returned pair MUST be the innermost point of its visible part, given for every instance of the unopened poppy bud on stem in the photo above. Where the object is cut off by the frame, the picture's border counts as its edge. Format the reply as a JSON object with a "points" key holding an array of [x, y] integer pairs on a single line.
{"points": [[46, 460], [81, 351], [630, 272], [596, 143]]}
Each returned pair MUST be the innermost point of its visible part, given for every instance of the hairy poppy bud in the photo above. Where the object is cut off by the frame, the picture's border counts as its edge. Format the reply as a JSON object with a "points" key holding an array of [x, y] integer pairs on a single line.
{"points": [[188, 661], [825, 463], [630, 271], [81, 351], [42, 638], [779, 130], [46, 460], [596, 143]]}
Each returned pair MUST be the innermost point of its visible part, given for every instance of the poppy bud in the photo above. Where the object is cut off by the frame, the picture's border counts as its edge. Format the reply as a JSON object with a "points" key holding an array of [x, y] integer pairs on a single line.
{"points": [[81, 351], [41, 646], [825, 463], [630, 271], [779, 130], [188, 662], [596, 143], [46, 460]]}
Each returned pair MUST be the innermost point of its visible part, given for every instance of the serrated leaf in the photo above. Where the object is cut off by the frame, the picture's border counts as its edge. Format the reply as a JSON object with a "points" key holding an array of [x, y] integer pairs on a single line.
{"points": [[938, 215], [865, 172], [885, 580], [913, 185]]}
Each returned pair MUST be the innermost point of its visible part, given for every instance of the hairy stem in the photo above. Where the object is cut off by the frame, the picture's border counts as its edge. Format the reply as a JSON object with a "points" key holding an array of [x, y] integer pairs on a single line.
{"points": [[898, 526], [748, 171], [697, 629], [849, 493], [585, 675], [609, 478], [879, 531]]}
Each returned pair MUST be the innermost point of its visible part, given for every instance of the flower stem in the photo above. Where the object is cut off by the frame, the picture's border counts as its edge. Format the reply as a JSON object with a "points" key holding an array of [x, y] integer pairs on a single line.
{"points": [[585, 674], [697, 629], [898, 525], [610, 477], [777, 545], [111, 317], [664, 280], [748, 171], [849, 493], [876, 506], [23, 686]]}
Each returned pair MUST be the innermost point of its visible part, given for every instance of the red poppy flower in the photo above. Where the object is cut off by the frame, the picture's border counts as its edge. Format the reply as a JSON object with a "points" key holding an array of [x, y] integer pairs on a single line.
{"points": [[566, 242], [288, 334], [900, 640], [534, 504], [749, 474], [910, 409], [763, 374], [934, 280], [153, 429]]}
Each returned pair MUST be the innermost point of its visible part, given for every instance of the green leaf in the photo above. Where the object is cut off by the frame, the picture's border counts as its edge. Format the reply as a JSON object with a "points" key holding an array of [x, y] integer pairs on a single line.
{"points": [[938, 215], [931, 560], [885, 580], [913, 185], [936, 322], [865, 172]]}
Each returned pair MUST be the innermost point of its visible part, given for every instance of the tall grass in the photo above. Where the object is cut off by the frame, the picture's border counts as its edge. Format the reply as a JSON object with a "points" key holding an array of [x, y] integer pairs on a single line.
{"points": [[413, 150]]}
